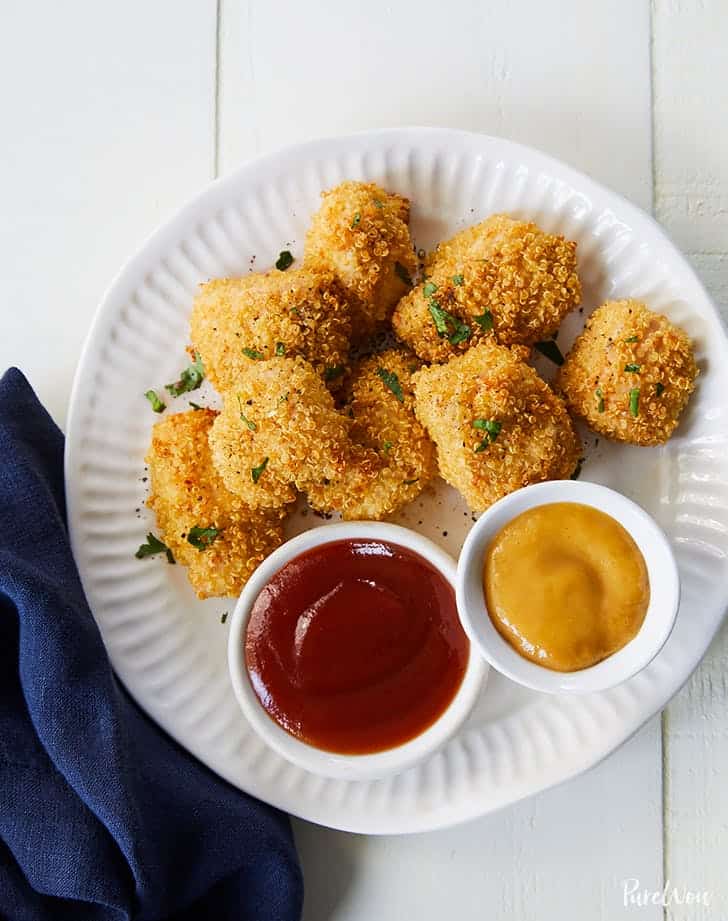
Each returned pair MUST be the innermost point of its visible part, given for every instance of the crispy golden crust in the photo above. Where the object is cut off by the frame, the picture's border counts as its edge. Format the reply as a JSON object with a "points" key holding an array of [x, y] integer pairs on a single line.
{"points": [[536, 440], [360, 232], [502, 274], [289, 313], [187, 492], [597, 386], [280, 420], [392, 458]]}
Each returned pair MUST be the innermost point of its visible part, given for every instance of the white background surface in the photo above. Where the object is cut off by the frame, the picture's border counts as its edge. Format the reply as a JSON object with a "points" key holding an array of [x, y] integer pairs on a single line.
{"points": [[114, 114]]}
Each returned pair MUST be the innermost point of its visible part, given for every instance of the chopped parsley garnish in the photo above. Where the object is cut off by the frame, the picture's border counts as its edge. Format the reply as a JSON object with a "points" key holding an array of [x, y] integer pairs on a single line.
{"points": [[257, 472], [158, 405], [485, 321], [390, 380], [253, 353], [577, 470], [189, 379], [443, 319], [378, 203], [284, 260], [410, 482], [551, 351], [659, 389], [195, 405], [401, 272], [491, 427], [387, 447], [333, 371], [280, 349], [356, 219], [632, 368], [251, 425], [600, 400], [153, 546], [633, 339], [458, 280], [202, 538], [634, 401], [429, 289]]}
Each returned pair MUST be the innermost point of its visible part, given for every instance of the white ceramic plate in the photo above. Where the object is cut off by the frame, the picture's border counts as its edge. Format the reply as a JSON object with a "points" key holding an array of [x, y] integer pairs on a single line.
{"points": [[169, 649]]}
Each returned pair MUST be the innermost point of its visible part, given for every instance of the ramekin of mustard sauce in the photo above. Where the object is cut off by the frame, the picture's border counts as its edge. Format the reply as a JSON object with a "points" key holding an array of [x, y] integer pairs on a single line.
{"points": [[567, 586]]}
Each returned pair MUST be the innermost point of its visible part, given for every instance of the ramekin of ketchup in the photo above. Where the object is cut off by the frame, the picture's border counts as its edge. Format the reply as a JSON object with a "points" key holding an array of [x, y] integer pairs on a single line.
{"points": [[346, 652]]}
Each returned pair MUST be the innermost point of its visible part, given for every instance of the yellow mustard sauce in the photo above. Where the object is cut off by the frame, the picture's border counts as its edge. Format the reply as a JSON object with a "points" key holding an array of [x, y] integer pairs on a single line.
{"points": [[565, 585]]}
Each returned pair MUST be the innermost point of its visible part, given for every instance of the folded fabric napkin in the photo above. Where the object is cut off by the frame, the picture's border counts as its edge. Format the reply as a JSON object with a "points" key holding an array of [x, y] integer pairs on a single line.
{"points": [[102, 816]]}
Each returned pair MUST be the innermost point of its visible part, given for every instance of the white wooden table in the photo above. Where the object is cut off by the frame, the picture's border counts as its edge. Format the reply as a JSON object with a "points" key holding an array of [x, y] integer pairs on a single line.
{"points": [[114, 114]]}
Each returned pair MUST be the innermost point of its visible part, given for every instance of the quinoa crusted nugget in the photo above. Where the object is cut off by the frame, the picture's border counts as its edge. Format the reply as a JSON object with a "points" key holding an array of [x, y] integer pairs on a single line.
{"points": [[278, 430], [187, 493], [392, 458], [361, 233], [496, 424], [630, 373], [299, 312], [502, 274]]}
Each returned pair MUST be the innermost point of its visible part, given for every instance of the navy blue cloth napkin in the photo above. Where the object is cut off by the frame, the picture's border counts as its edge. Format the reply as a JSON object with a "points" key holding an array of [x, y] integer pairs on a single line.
{"points": [[102, 816]]}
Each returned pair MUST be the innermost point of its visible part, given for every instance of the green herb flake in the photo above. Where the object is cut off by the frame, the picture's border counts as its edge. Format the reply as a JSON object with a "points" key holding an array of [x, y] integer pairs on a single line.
{"points": [[402, 273], [202, 538], [257, 472], [485, 321], [390, 380], [333, 371], [378, 203], [410, 482], [153, 546], [600, 400], [356, 220], [461, 332], [284, 260], [659, 389], [280, 349], [387, 447], [550, 350], [577, 470], [429, 289], [195, 405], [254, 354], [458, 280], [632, 339], [632, 368], [492, 429], [439, 317], [251, 425], [158, 405], [189, 379], [634, 401], [443, 320]]}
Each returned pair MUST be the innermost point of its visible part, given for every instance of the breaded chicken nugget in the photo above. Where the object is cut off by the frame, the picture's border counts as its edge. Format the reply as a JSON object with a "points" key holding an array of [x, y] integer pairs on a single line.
{"points": [[361, 233], [502, 275], [496, 424], [278, 430], [630, 373], [392, 458], [290, 313], [187, 494]]}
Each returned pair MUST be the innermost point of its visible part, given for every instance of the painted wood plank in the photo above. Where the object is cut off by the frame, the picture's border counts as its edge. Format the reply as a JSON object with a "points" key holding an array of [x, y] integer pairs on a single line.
{"points": [[108, 116], [576, 84], [691, 200]]}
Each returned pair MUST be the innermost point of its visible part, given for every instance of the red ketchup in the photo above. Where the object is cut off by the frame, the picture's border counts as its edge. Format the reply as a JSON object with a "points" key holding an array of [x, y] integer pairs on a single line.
{"points": [[355, 646]]}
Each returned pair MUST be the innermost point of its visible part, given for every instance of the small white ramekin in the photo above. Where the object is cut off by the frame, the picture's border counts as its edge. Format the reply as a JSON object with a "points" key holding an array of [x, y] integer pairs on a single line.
{"points": [[318, 761], [632, 658]]}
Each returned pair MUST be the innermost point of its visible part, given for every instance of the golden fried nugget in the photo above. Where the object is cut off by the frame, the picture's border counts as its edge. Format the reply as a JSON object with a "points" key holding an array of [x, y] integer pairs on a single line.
{"points": [[278, 430], [630, 373], [502, 275], [392, 458], [361, 233], [298, 312], [186, 492], [496, 424]]}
